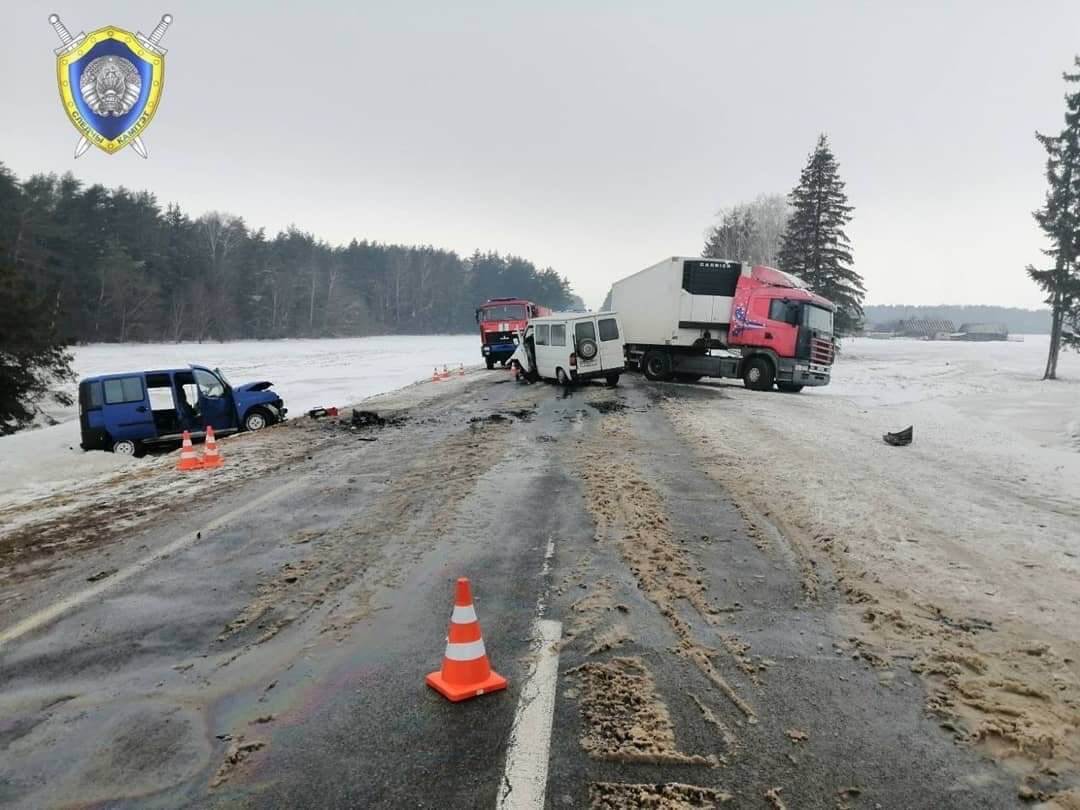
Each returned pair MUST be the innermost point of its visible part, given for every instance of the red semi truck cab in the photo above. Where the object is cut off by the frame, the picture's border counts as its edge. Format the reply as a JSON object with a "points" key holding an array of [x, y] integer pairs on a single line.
{"points": [[686, 318], [772, 311], [500, 319]]}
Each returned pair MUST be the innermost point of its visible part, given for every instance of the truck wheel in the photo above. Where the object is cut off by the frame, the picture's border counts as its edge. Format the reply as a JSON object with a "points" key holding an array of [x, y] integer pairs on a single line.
{"points": [[688, 378], [758, 374], [490, 362], [128, 447], [257, 419], [789, 388], [612, 380], [562, 378], [656, 366]]}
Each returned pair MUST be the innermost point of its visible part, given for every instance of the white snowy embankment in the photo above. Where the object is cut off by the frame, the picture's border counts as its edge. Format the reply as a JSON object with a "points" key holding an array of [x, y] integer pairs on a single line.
{"points": [[306, 373], [981, 514]]}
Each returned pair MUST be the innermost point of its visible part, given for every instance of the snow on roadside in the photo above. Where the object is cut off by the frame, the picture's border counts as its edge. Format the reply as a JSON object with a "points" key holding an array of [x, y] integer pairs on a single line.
{"points": [[990, 485], [962, 549], [307, 373]]}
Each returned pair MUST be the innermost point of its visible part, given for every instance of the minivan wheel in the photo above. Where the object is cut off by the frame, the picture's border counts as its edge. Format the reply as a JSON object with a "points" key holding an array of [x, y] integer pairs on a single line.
{"points": [[562, 378], [656, 366], [256, 419], [127, 447], [758, 374]]}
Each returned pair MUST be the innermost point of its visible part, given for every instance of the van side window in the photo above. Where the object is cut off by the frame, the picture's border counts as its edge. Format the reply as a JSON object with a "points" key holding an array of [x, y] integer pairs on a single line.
{"points": [[609, 330], [542, 334], [583, 330], [126, 389], [209, 385], [558, 334]]}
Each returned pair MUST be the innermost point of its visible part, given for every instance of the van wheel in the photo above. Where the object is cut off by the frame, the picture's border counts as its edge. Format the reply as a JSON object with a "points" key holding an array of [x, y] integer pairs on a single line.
{"points": [[128, 447], [758, 374], [562, 378], [256, 419], [490, 362], [612, 380], [789, 388], [656, 366]]}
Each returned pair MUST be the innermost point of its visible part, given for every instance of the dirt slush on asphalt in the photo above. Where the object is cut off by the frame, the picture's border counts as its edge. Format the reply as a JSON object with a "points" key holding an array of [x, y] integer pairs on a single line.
{"points": [[273, 651]]}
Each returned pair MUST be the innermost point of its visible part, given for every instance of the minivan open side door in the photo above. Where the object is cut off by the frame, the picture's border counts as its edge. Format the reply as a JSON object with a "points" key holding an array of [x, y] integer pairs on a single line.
{"points": [[216, 405]]}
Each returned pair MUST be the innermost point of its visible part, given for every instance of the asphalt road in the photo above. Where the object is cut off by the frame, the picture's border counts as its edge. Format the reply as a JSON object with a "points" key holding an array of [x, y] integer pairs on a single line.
{"points": [[278, 658]]}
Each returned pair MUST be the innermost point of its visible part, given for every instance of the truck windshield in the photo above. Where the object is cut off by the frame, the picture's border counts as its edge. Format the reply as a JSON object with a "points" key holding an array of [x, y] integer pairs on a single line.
{"points": [[503, 312], [817, 318]]}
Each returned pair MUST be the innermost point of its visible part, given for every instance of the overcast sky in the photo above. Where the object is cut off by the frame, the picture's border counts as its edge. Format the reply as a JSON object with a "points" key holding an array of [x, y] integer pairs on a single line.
{"points": [[596, 138]]}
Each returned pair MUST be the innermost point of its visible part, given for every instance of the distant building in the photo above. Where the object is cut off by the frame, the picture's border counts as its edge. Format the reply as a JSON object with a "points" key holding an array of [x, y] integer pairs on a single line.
{"points": [[926, 328], [982, 331]]}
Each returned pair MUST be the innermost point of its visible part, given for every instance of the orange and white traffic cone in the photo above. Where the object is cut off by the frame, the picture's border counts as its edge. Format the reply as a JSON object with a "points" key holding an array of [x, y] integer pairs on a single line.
{"points": [[461, 369], [435, 375], [445, 373], [188, 459], [211, 458], [466, 671]]}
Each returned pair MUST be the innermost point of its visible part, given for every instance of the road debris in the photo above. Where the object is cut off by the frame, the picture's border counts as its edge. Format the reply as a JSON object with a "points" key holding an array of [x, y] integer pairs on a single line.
{"points": [[239, 751]]}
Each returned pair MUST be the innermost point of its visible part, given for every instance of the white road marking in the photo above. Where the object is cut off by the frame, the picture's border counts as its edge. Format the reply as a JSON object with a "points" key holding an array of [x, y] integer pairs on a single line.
{"points": [[57, 609], [525, 775]]}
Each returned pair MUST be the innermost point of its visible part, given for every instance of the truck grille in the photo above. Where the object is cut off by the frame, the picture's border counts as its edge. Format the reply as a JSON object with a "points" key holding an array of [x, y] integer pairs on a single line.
{"points": [[498, 337], [821, 352]]}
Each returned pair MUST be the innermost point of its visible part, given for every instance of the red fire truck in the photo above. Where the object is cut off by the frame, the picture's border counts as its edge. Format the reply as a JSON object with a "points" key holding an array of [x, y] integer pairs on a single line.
{"points": [[500, 319]]}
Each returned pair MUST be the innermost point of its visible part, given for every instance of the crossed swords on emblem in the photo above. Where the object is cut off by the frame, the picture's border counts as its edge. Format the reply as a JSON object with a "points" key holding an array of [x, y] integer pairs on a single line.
{"points": [[70, 43]]}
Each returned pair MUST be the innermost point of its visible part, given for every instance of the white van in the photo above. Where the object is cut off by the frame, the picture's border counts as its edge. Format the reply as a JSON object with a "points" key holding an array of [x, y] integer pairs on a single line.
{"points": [[571, 346]]}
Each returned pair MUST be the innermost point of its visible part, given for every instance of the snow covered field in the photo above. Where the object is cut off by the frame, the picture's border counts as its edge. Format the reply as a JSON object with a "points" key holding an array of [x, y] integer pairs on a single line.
{"points": [[307, 373], [967, 542]]}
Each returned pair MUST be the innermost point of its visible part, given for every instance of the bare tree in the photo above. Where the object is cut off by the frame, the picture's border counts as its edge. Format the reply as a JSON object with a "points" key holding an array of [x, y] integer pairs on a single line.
{"points": [[749, 231], [223, 233]]}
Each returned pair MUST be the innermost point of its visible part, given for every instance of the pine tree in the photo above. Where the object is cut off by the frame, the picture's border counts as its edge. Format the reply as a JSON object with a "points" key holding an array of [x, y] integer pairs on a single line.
{"points": [[32, 359], [1059, 219], [814, 245]]}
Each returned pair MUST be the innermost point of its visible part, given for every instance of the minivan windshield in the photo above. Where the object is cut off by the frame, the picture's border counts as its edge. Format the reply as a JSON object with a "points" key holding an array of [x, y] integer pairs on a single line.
{"points": [[503, 312], [817, 318]]}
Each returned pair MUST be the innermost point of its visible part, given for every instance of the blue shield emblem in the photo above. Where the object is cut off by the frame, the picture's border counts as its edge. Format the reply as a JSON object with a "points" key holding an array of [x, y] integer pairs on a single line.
{"points": [[110, 84]]}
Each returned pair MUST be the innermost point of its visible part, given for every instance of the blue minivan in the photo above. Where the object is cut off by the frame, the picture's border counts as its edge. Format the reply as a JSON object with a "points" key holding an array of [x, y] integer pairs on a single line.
{"points": [[126, 412]]}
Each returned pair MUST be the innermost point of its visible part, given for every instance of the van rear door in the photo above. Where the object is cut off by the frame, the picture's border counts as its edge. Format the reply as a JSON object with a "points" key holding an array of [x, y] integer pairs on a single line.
{"points": [[611, 343], [127, 410]]}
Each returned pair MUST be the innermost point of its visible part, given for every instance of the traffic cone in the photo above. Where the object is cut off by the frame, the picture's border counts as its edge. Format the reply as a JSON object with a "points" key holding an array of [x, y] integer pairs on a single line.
{"points": [[211, 458], [445, 373], [435, 375], [188, 459], [466, 671], [461, 370]]}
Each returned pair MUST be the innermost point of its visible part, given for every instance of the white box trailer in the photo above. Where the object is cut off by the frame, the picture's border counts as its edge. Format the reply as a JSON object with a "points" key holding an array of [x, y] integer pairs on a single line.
{"points": [[656, 306]]}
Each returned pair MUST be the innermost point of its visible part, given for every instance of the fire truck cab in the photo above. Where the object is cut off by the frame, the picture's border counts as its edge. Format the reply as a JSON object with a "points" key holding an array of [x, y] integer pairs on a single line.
{"points": [[500, 320]]}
